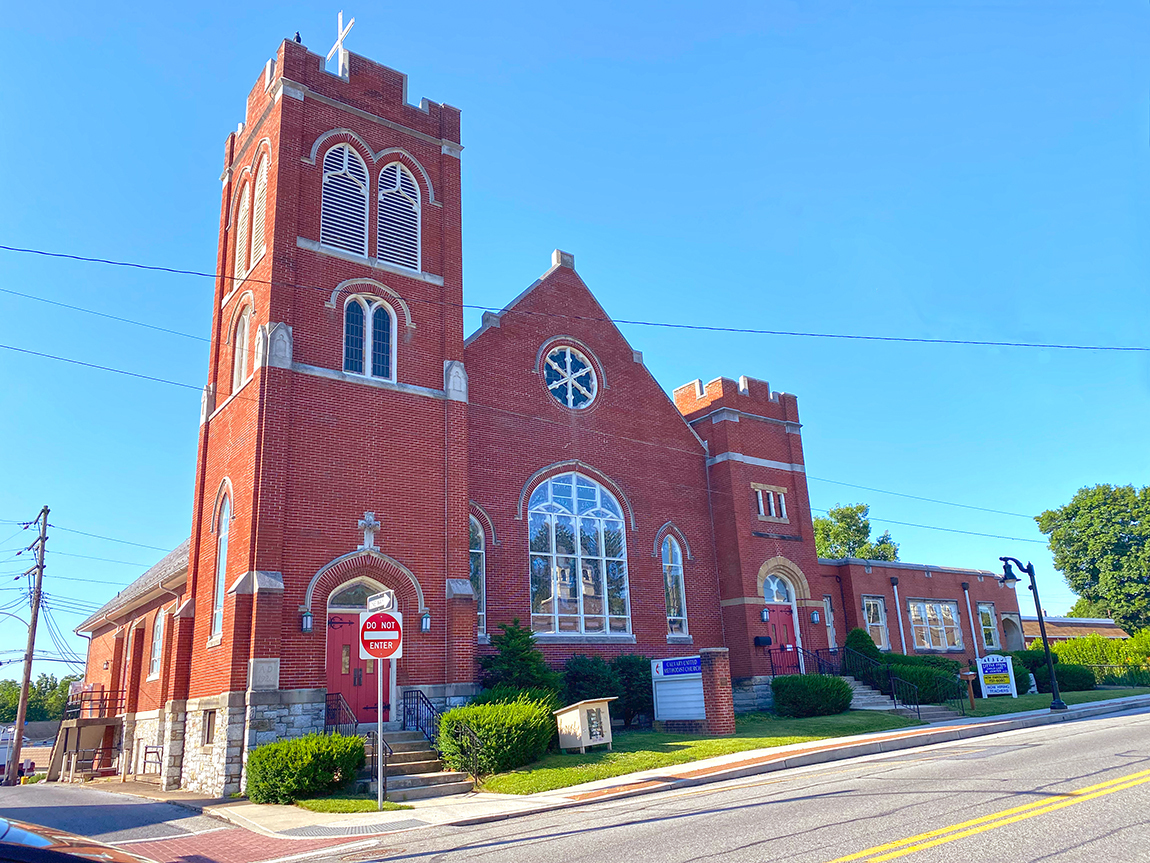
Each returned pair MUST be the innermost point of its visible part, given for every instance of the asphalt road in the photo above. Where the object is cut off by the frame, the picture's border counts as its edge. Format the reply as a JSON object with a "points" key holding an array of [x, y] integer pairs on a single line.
{"points": [[1076, 791]]}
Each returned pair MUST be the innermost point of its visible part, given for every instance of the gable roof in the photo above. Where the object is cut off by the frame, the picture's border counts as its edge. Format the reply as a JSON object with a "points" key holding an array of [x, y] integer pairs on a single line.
{"points": [[1073, 627], [172, 565]]}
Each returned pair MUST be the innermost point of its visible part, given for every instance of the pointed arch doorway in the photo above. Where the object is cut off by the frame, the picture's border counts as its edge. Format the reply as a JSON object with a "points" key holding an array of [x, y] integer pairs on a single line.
{"points": [[357, 680]]}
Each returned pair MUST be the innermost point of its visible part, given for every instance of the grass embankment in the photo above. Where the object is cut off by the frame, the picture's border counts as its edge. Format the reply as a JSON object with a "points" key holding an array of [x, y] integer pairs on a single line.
{"points": [[1004, 704], [645, 750], [339, 802]]}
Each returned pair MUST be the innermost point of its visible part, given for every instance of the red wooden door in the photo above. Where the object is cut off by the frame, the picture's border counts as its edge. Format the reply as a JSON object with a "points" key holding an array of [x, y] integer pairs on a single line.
{"points": [[354, 678], [781, 626]]}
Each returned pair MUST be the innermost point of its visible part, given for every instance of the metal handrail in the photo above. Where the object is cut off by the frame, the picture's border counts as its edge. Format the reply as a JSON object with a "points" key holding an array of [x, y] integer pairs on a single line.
{"points": [[379, 771], [96, 704], [338, 717], [419, 714], [471, 748], [905, 692]]}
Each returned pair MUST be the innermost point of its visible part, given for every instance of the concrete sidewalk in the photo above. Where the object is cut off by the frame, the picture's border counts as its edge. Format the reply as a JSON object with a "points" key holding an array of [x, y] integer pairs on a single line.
{"points": [[477, 808]]}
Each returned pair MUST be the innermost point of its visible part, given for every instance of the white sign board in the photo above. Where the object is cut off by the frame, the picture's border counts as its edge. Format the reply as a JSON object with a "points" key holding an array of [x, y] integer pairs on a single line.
{"points": [[381, 601], [678, 685], [996, 675]]}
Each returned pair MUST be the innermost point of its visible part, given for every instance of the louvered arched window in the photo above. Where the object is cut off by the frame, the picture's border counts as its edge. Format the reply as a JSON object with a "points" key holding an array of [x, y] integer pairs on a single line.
{"points": [[343, 210], [242, 247], [368, 338], [259, 213], [398, 241], [240, 343]]}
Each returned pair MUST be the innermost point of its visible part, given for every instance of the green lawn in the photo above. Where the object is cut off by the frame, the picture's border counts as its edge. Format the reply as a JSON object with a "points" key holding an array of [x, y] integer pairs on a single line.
{"points": [[340, 802], [644, 750], [1004, 704]]}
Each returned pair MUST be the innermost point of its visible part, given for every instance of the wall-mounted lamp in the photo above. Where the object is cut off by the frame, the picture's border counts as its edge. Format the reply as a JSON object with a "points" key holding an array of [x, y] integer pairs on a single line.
{"points": [[106, 665], [425, 622], [305, 621], [765, 615], [815, 616]]}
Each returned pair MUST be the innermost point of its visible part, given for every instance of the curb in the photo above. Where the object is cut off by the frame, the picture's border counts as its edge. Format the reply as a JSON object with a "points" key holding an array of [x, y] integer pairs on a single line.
{"points": [[944, 734]]}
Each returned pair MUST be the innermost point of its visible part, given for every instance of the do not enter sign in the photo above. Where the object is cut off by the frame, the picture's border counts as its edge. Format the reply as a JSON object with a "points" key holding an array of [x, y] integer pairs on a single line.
{"points": [[380, 635]]}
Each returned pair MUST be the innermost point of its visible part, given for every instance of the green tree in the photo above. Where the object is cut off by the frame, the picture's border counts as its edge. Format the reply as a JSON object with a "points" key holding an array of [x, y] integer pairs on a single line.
{"points": [[517, 661], [46, 698], [1085, 608], [1101, 544], [845, 532]]}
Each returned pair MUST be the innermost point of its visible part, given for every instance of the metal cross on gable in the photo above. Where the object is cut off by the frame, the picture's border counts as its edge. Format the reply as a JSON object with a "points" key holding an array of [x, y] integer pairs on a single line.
{"points": [[338, 48], [369, 526]]}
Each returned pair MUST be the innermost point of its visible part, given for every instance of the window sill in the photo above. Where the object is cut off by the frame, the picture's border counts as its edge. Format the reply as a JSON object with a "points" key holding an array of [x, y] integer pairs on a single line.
{"points": [[939, 650], [483, 638], [152, 677], [680, 639], [231, 397], [582, 638], [215, 640], [774, 520], [367, 260]]}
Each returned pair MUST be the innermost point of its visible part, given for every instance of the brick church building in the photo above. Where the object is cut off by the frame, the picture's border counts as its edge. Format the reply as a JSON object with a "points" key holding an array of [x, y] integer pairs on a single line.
{"points": [[352, 440]]}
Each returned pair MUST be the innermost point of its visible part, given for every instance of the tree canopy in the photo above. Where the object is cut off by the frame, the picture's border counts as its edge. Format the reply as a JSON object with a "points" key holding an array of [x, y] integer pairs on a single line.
{"points": [[1101, 544], [46, 698], [845, 532]]}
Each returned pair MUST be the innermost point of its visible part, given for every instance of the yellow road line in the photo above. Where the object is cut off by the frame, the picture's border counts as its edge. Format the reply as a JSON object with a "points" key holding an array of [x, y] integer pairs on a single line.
{"points": [[943, 835]]}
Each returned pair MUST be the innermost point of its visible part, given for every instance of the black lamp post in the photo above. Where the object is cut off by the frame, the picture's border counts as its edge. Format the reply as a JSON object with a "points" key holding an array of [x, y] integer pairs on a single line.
{"points": [[1009, 579]]}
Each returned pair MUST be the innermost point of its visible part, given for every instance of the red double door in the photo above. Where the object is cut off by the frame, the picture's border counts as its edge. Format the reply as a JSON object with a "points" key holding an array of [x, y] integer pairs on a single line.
{"points": [[781, 629], [354, 678]]}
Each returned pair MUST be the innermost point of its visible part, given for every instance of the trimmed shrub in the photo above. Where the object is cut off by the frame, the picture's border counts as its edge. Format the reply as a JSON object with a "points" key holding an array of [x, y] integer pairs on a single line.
{"points": [[634, 673], [589, 677], [510, 695], [860, 641], [934, 686], [512, 734], [1071, 678], [287, 770], [801, 695], [1035, 660], [517, 662]]}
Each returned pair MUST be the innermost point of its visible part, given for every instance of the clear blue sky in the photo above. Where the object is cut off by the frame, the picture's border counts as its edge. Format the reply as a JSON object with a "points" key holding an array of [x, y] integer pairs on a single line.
{"points": [[968, 170]]}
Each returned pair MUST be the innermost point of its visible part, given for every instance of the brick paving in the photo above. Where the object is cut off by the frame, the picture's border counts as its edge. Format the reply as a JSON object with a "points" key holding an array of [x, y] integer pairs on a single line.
{"points": [[231, 845]]}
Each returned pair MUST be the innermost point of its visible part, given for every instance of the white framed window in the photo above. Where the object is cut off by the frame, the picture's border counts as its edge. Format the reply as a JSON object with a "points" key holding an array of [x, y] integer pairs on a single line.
{"points": [[936, 625], [874, 616], [223, 524], [759, 502], [770, 502], [570, 377], [673, 588], [782, 497], [578, 558], [477, 548], [369, 337], [343, 204], [398, 239], [243, 250], [776, 591], [259, 214], [988, 621], [240, 342], [157, 646]]}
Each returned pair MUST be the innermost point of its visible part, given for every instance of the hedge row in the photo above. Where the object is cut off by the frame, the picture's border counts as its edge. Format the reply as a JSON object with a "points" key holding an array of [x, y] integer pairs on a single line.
{"points": [[512, 734], [801, 695], [288, 770]]}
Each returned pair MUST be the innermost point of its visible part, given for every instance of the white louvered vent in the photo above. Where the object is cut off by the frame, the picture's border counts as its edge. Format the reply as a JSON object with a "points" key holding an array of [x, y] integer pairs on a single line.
{"points": [[398, 217], [343, 212], [259, 241], [241, 268]]}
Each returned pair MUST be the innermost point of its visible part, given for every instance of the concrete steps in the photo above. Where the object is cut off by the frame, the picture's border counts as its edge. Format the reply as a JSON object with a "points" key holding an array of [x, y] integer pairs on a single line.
{"points": [[414, 771], [866, 698]]}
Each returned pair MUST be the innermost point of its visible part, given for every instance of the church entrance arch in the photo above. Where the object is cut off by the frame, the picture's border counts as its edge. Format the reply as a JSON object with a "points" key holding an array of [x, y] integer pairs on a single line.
{"points": [[357, 680]]}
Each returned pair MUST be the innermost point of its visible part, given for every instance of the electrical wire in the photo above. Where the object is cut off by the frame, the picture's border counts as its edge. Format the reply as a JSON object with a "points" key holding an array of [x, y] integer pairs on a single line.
{"points": [[109, 538], [102, 559], [916, 497], [946, 529], [662, 324], [101, 314]]}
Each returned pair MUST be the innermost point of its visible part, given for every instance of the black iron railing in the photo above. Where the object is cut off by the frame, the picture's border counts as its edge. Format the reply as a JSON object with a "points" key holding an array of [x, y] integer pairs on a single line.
{"points": [[380, 757], [338, 717], [471, 748], [419, 714], [905, 695], [96, 704]]}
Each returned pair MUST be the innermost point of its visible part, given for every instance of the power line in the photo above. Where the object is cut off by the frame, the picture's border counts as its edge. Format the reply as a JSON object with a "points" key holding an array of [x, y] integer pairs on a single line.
{"points": [[916, 497], [109, 538], [101, 368], [663, 324], [102, 314], [102, 559], [947, 529]]}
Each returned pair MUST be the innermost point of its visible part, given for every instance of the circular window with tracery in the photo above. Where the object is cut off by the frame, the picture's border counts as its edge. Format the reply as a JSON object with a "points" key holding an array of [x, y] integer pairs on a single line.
{"points": [[570, 377]]}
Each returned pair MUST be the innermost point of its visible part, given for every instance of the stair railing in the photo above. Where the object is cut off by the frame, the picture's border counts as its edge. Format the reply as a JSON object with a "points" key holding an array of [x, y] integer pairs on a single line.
{"points": [[379, 747], [338, 717], [419, 714], [471, 748], [904, 693]]}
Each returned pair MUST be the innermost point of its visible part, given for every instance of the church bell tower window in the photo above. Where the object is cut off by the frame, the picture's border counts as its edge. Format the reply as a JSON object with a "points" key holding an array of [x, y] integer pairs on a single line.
{"points": [[343, 210]]}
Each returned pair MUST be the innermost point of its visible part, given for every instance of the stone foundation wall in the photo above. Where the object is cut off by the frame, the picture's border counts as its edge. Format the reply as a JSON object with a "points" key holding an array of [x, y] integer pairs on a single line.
{"points": [[752, 694], [141, 730], [173, 739], [213, 764], [280, 714]]}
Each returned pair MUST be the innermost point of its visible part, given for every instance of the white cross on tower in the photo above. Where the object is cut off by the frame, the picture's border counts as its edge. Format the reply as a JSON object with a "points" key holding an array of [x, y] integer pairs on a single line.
{"points": [[338, 48], [369, 526]]}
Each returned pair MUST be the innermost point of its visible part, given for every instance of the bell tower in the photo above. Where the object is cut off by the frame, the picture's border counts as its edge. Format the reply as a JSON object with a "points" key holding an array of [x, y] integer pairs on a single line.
{"points": [[336, 387]]}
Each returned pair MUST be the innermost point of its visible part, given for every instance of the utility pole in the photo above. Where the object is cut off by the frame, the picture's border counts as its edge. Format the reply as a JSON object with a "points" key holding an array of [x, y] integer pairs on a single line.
{"points": [[26, 685]]}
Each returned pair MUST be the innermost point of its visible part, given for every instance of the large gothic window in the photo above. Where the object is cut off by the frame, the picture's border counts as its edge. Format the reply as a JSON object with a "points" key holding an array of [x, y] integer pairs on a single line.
{"points": [[368, 338], [223, 524], [259, 213], [240, 350], [478, 551], [398, 240], [343, 210], [673, 587], [578, 558], [243, 250]]}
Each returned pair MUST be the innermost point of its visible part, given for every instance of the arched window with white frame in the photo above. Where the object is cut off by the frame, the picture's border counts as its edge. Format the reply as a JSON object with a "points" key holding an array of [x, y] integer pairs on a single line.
{"points": [[223, 525], [578, 558], [398, 240], [369, 337], [240, 344], [478, 551], [673, 587], [243, 250], [259, 213], [156, 657], [343, 206], [776, 591]]}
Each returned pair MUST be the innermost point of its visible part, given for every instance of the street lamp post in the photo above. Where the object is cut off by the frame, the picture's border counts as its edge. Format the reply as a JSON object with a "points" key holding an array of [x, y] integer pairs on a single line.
{"points": [[1009, 579]]}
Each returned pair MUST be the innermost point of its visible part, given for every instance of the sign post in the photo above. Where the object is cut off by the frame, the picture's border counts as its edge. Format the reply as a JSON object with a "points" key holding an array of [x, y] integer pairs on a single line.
{"points": [[996, 676], [380, 637]]}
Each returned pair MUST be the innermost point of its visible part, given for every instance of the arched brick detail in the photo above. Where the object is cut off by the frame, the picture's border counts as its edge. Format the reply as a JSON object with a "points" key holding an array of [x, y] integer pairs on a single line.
{"points": [[384, 569], [670, 528], [788, 570], [484, 520]]}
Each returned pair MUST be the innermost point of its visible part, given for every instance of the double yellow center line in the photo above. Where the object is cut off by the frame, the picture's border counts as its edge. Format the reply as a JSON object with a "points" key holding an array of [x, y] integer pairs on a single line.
{"points": [[922, 841]]}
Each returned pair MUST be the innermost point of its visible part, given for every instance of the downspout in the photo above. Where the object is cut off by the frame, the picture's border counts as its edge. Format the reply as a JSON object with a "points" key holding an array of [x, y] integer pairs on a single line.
{"points": [[898, 611], [970, 615], [843, 601]]}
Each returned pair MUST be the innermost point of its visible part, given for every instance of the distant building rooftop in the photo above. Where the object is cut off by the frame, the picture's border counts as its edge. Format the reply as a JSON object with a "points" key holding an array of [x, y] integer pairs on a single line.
{"points": [[1063, 628]]}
